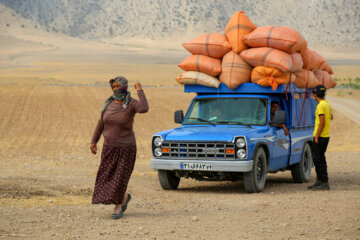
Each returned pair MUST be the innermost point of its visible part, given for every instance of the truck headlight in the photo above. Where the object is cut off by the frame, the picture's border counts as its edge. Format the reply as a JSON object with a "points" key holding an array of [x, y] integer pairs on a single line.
{"points": [[241, 153], [157, 152], [240, 142], [158, 141]]}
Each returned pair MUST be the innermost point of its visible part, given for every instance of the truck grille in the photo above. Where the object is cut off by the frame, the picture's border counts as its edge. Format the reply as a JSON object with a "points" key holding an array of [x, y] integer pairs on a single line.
{"points": [[201, 151]]}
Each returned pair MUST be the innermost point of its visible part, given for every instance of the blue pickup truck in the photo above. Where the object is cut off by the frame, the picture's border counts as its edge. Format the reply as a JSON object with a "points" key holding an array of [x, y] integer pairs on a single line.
{"points": [[229, 135]]}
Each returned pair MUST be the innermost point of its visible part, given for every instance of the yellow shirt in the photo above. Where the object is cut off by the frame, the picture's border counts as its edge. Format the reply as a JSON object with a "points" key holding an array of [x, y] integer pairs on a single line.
{"points": [[323, 108]]}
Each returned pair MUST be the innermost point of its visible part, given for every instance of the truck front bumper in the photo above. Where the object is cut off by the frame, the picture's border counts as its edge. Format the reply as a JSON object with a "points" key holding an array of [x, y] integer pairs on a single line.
{"points": [[217, 166]]}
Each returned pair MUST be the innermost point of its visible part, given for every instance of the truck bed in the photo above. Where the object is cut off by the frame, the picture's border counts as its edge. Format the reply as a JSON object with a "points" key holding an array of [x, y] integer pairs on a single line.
{"points": [[299, 102]]}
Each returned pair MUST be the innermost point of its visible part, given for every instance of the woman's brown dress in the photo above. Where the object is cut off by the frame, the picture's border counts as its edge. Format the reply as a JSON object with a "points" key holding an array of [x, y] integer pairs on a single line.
{"points": [[119, 149]]}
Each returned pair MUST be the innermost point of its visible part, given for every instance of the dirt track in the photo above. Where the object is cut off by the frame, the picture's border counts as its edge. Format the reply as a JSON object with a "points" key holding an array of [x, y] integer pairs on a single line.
{"points": [[47, 175], [347, 107]]}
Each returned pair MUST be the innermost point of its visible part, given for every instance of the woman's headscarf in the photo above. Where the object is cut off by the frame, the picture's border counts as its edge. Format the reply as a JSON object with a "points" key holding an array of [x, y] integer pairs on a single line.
{"points": [[118, 94]]}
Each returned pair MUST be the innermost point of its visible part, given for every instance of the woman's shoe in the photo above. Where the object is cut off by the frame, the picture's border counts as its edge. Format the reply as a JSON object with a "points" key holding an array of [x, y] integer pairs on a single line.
{"points": [[123, 208], [117, 215]]}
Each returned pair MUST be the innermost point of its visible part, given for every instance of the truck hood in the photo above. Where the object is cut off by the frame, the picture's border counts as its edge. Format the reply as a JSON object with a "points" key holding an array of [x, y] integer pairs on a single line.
{"points": [[207, 133]]}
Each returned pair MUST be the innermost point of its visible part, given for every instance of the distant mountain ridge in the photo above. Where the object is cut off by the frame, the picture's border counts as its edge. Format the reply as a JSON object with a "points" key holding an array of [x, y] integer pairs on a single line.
{"points": [[321, 22]]}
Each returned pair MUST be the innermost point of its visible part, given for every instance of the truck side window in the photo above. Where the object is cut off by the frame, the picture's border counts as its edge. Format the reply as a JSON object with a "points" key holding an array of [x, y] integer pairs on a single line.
{"points": [[274, 107]]}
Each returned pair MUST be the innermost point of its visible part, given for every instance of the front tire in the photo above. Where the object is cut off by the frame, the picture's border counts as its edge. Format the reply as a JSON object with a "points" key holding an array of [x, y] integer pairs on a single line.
{"points": [[301, 171], [168, 180], [254, 181]]}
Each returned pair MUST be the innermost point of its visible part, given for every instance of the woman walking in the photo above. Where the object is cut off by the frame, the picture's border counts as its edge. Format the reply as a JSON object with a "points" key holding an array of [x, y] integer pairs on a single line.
{"points": [[119, 149]]}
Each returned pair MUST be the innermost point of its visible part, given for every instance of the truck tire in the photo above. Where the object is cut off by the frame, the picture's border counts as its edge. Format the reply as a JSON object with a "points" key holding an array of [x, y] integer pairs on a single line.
{"points": [[168, 180], [254, 181], [301, 171]]}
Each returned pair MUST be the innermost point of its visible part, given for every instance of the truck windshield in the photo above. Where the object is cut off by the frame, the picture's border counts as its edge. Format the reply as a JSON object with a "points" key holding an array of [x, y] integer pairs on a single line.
{"points": [[227, 111]]}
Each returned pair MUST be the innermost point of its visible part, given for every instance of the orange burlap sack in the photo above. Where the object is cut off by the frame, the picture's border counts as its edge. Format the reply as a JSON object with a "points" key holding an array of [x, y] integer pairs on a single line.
{"points": [[325, 78], [200, 63], [271, 57], [198, 78], [326, 67], [213, 45], [238, 26], [282, 38], [312, 60], [235, 71], [306, 79], [265, 76]]}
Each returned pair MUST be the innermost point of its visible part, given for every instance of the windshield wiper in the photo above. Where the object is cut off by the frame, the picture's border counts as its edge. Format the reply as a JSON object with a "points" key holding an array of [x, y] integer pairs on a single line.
{"points": [[203, 120], [235, 122]]}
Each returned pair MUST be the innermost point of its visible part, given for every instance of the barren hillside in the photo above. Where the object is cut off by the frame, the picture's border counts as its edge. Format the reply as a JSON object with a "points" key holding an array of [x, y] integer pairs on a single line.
{"points": [[323, 23]]}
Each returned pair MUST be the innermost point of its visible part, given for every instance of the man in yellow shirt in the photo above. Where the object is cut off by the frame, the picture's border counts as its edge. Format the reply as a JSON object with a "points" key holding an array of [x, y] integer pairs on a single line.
{"points": [[323, 117]]}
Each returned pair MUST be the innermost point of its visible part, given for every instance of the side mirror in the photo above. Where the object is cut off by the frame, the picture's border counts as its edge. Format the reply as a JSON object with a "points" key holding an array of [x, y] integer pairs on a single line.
{"points": [[279, 118], [179, 116]]}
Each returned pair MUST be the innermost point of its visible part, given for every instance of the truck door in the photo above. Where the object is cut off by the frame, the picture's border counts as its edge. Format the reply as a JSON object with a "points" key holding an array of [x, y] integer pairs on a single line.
{"points": [[280, 149], [280, 144]]}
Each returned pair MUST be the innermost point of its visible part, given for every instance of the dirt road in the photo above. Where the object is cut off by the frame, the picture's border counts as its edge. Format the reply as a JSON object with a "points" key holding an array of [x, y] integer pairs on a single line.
{"points": [[348, 107], [47, 175]]}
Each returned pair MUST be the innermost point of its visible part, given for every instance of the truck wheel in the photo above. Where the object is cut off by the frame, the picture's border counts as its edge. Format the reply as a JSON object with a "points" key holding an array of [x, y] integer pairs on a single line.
{"points": [[301, 171], [168, 179], [254, 181]]}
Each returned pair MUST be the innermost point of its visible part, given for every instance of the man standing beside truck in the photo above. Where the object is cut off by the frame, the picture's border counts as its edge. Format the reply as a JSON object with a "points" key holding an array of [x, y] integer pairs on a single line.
{"points": [[323, 116]]}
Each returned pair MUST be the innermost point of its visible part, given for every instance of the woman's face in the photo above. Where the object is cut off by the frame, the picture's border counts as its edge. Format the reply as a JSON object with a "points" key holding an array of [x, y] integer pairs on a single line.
{"points": [[115, 86]]}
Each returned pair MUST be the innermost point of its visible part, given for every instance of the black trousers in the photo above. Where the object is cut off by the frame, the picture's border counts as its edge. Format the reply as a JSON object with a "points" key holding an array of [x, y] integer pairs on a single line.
{"points": [[319, 158]]}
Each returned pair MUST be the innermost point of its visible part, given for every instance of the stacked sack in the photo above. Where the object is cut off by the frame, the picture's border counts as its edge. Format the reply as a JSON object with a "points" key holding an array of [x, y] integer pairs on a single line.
{"points": [[265, 55], [221, 51], [315, 67], [235, 70], [204, 65], [275, 53]]}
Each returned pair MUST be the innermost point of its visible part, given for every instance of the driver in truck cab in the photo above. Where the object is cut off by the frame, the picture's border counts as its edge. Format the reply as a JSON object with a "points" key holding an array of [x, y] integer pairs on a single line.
{"points": [[273, 109]]}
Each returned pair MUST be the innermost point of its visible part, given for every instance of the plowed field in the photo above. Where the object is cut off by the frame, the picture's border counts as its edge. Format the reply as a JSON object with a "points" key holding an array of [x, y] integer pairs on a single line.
{"points": [[47, 175]]}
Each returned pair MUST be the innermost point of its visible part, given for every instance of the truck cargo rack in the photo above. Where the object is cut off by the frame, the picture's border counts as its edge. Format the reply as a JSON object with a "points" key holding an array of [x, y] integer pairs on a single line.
{"points": [[299, 101], [245, 88]]}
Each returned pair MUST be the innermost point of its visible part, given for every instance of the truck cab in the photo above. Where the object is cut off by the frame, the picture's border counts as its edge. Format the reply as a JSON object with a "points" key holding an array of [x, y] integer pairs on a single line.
{"points": [[230, 135]]}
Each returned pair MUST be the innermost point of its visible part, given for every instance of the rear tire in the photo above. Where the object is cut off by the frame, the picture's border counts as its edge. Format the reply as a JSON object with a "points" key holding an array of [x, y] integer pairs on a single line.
{"points": [[168, 180], [254, 181], [301, 171]]}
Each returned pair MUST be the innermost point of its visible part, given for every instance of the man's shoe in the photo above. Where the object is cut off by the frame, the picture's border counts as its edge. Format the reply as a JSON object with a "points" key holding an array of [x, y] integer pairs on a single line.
{"points": [[319, 186], [325, 186], [315, 186]]}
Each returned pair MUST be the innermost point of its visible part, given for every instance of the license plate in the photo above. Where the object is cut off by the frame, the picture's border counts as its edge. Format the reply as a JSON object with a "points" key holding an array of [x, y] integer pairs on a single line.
{"points": [[195, 166]]}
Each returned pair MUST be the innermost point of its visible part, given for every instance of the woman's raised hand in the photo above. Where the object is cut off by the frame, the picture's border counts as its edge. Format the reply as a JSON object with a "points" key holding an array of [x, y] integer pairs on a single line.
{"points": [[138, 86]]}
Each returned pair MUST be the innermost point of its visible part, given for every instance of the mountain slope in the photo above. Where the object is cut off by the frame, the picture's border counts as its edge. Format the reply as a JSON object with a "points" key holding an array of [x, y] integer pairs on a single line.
{"points": [[322, 22]]}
